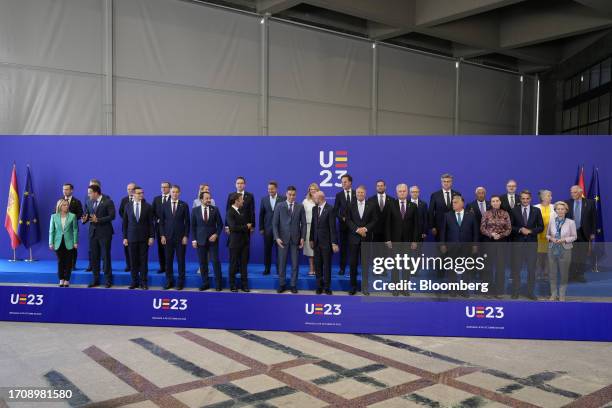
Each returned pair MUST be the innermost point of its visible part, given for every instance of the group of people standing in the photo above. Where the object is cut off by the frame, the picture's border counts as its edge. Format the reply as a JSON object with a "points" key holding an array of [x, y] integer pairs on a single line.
{"points": [[542, 234]]}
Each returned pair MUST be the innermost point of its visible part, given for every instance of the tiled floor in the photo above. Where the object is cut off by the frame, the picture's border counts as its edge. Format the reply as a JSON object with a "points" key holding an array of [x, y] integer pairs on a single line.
{"points": [[112, 366]]}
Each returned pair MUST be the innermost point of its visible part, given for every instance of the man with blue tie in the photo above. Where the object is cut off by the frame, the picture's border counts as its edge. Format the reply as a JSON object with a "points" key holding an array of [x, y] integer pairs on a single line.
{"points": [[174, 230], [266, 212], [458, 236], [527, 223], [138, 236], [289, 230], [206, 227], [584, 213]]}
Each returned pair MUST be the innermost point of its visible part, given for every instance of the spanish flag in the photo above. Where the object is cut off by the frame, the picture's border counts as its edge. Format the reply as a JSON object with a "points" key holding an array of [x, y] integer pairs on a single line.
{"points": [[11, 221]]}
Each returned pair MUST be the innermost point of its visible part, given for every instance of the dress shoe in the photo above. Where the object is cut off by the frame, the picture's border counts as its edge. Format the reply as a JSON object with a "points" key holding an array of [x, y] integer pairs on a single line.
{"points": [[234, 289], [204, 287], [179, 287], [366, 293], [61, 285], [352, 292], [66, 285], [406, 293], [246, 290], [294, 290], [218, 289], [266, 272], [127, 269], [498, 297], [132, 286], [144, 287], [328, 291], [108, 285], [514, 296], [93, 284], [168, 286], [319, 291], [281, 289], [395, 293], [531, 296]]}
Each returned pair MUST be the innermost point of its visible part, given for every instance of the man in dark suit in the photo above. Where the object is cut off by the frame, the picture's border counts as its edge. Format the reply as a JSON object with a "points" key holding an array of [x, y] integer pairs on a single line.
{"points": [[75, 207], [158, 204], [478, 207], [458, 236], [323, 240], [422, 212], [381, 200], [240, 227], [289, 230], [86, 203], [174, 229], [248, 209], [266, 213], [206, 227], [510, 199], [124, 201], [138, 236], [527, 223], [584, 213], [403, 231], [343, 200], [100, 213], [440, 203], [361, 219]]}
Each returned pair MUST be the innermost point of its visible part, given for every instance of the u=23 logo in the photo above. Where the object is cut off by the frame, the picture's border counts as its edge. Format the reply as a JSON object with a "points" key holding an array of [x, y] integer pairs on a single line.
{"points": [[323, 309], [482, 312], [170, 304], [338, 160], [27, 299]]}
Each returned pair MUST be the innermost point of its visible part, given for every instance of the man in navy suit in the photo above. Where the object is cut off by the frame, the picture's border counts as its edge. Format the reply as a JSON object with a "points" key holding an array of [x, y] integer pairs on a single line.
{"points": [[527, 223], [174, 230], [323, 240], [247, 209], [381, 200], [75, 207], [422, 212], [343, 200], [289, 230], [206, 227], [158, 204], [266, 212], [584, 213], [458, 231], [440, 203], [100, 213], [240, 227], [138, 236], [478, 207], [361, 219]]}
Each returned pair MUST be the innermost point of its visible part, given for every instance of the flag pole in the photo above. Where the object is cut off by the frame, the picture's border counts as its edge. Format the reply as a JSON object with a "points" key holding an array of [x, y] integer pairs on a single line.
{"points": [[14, 257], [30, 259]]}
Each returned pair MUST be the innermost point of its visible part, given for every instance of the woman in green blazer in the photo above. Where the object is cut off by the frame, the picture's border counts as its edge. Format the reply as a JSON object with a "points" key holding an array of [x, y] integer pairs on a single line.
{"points": [[63, 239]]}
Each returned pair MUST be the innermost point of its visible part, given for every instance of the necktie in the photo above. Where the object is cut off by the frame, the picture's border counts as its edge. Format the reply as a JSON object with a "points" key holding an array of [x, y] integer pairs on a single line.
{"points": [[482, 207], [205, 213], [448, 200], [164, 199], [361, 209], [95, 205], [348, 197], [291, 209], [137, 212], [173, 207], [459, 219], [577, 213], [403, 209], [525, 216], [512, 201], [320, 211], [381, 203]]}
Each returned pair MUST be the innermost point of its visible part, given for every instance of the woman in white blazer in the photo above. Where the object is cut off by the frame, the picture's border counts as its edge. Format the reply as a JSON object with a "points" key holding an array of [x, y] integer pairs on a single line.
{"points": [[561, 234]]}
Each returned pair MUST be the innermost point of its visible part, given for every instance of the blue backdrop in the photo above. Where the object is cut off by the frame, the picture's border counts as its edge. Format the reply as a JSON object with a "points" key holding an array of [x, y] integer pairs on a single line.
{"points": [[536, 162]]}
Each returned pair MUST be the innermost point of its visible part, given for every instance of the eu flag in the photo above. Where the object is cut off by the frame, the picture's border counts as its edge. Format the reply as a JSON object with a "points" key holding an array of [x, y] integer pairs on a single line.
{"points": [[29, 224], [594, 194]]}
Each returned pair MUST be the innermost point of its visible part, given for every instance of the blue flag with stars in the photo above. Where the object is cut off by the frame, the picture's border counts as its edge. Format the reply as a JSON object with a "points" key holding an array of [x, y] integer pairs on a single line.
{"points": [[594, 194], [29, 224]]}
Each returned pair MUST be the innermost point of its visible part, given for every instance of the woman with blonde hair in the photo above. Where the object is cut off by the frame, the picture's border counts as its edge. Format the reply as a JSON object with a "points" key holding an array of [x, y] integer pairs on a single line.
{"points": [[309, 204], [63, 239], [548, 216], [561, 233]]}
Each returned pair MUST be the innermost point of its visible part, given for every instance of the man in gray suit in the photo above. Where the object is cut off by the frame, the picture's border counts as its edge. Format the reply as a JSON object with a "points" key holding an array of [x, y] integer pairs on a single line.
{"points": [[289, 228]]}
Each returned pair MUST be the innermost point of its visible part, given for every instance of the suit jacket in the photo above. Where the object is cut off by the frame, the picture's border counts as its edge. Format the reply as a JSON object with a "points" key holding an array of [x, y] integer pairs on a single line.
{"points": [[505, 203], [248, 207], [323, 227], [70, 232], [354, 221], [451, 231], [380, 227], [535, 223], [174, 227], [402, 230], [76, 207], [290, 228], [239, 235], [141, 230], [568, 233], [423, 214], [340, 206], [266, 213], [157, 207], [125, 201], [588, 219], [201, 231], [103, 229], [474, 208], [438, 207]]}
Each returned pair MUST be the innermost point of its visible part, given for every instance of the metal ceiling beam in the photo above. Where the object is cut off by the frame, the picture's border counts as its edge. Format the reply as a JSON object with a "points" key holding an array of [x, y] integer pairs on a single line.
{"points": [[434, 12], [275, 6]]}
